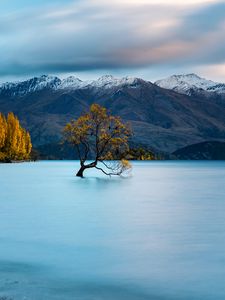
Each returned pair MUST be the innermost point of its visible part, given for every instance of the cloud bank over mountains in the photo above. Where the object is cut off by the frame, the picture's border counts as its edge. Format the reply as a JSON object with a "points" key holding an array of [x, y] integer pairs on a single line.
{"points": [[96, 35]]}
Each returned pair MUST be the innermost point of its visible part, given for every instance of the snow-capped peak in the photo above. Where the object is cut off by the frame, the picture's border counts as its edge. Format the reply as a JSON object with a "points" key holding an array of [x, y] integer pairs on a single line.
{"points": [[32, 85], [104, 82], [109, 81], [106, 78], [70, 83], [189, 82], [43, 82]]}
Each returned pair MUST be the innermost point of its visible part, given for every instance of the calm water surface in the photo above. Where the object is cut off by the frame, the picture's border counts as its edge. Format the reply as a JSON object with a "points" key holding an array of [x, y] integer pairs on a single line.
{"points": [[159, 235]]}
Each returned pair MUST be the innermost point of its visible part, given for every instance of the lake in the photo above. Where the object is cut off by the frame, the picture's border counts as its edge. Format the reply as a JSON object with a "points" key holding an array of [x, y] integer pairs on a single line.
{"points": [[158, 235]]}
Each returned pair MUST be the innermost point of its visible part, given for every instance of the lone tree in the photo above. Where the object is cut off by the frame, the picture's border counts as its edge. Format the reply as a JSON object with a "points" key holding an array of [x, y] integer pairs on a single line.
{"points": [[100, 136]]}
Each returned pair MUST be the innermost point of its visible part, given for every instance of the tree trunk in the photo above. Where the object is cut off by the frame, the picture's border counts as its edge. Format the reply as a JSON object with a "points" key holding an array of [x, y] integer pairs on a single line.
{"points": [[80, 173], [83, 167]]}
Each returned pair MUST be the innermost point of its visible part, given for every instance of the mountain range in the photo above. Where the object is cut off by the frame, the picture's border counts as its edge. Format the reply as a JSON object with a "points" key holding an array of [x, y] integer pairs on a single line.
{"points": [[166, 116], [191, 83]]}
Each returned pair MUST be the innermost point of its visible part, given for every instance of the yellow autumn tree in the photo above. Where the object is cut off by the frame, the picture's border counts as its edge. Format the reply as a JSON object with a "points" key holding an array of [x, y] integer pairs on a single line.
{"points": [[28, 145], [3, 134], [100, 136], [15, 142]]}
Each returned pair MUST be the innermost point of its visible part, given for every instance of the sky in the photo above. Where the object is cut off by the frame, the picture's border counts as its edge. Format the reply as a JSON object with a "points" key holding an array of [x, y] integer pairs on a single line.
{"points": [[151, 39]]}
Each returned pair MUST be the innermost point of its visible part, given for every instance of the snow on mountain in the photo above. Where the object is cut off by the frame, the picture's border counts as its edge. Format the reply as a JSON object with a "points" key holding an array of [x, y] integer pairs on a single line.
{"points": [[108, 81], [185, 84], [32, 85], [105, 81], [71, 82]]}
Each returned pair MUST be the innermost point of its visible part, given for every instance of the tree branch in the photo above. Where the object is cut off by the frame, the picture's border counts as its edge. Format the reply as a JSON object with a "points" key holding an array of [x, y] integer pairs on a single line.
{"points": [[87, 149], [109, 174], [107, 166], [79, 154]]}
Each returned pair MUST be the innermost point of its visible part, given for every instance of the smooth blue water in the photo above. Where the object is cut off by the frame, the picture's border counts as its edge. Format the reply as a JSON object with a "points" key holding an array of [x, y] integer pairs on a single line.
{"points": [[158, 235]]}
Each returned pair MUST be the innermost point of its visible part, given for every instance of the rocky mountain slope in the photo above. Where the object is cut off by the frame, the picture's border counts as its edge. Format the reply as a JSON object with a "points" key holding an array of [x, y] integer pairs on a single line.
{"points": [[161, 119]]}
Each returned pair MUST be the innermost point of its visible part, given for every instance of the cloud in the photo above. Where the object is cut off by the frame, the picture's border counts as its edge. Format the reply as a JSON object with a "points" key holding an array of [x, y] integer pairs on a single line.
{"points": [[215, 70], [97, 35]]}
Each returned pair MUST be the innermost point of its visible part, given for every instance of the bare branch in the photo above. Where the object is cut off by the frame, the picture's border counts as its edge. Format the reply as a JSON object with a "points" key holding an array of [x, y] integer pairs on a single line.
{"points": [[109, 174]]}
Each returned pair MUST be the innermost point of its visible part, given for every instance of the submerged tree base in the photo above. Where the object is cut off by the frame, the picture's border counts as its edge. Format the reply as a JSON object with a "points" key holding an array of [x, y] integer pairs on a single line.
{"points": [[110, 168], [80, 173]]}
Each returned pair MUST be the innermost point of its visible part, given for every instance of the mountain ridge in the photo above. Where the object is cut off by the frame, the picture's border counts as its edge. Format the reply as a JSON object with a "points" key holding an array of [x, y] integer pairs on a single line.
{"points": [[21, 88], [184, 84], [161, 119]]}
